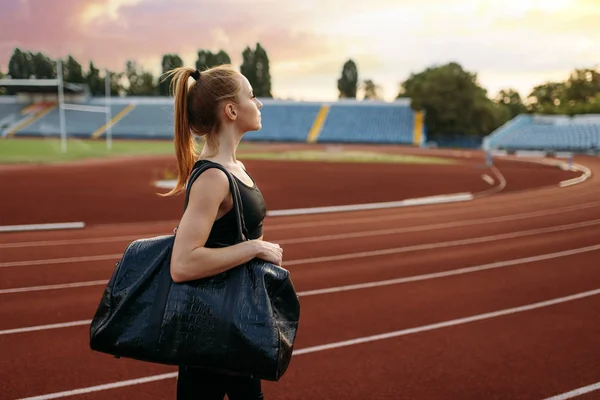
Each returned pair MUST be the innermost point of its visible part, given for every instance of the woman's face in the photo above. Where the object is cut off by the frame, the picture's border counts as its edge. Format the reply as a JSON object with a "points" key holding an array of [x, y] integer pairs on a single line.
{"points": [[248, 108]]}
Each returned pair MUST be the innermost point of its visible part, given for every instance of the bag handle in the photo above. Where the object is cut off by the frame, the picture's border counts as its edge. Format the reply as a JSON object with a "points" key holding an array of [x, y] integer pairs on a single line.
{"points": [[242, 231]]}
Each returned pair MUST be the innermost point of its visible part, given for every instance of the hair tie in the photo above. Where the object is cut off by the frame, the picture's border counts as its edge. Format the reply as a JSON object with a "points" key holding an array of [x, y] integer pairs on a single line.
{"points": [[196, 75]]}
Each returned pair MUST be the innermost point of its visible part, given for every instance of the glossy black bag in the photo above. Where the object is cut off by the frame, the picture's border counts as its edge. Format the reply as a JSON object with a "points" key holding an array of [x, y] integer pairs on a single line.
{"points": [[242, 321]]}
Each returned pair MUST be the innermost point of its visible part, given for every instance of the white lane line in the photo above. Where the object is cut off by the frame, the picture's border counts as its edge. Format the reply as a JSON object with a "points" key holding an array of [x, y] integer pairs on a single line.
{"points": [[443, 225], [577, 392], [53, 287], [488, 179], [313, 224], [437, 245], [45, 327], [61, 260], [444, 198], [345, 343], [346, 256], [368, 285], [41, 227], [107, 386], [586, 174], [459, 271]]}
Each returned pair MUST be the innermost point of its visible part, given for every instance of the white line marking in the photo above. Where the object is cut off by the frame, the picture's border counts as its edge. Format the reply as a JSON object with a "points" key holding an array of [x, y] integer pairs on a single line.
{"points": [[45, 327], [436, 245], [54, 287], [107, 386], [373, 206], [445, 324], [459, 271], [61, 260], [576, 392], [373, 253], [587, 173], [41, 227], [316, 292], [312, 224], [488, 179], [345, 343], [443, 225]]}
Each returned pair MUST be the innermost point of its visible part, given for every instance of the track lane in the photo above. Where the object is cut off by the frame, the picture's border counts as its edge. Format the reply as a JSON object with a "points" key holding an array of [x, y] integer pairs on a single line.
{"points": [[66, 350], [390, 224], [26, 309], [55, 270]]}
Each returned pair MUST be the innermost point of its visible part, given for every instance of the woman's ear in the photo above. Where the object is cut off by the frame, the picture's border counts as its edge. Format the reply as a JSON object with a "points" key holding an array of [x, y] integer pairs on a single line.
{"points": [[230, 111]]}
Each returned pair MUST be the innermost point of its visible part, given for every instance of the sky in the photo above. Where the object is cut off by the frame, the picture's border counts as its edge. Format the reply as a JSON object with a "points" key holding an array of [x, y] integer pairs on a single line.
{"points": [[508, 43]]}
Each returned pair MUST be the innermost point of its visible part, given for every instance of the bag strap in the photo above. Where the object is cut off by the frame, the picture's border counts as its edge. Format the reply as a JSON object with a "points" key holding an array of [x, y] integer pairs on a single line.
{"points": [[242, 231]]}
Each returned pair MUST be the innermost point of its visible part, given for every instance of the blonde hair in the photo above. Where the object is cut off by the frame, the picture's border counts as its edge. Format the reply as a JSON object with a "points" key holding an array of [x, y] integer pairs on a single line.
{"points": [[196, 112]]}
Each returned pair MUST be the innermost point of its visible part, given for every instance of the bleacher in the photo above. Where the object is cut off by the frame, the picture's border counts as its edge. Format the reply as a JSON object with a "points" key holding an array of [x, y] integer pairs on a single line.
{"points": [[152, 118], [548, 132], [9, 112], [369, 122]]}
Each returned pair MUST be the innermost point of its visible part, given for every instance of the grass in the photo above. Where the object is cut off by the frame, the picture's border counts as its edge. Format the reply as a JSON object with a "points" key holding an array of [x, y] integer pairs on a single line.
{"points": [[41, 151], [345, 156]]}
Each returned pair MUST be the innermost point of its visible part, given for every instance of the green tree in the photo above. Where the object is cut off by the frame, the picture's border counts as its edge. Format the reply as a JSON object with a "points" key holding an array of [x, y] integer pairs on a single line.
{"points": [[371, 91], [582, 86], [207, 59], [547, 97], [43, 66], [20, 65], [94, 81], [72, 71], [169, 61], [255, 67], [141, 83], [511, 99], [453, 100], [348, 83], [262, 86]]}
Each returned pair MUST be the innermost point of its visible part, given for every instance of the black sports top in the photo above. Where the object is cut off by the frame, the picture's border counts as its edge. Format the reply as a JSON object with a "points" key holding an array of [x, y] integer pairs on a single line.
{"points": [[224, 229]]}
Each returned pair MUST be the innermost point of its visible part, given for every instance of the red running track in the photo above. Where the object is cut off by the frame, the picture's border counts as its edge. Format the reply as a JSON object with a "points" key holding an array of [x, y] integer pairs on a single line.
{"points": [[522, 265]]}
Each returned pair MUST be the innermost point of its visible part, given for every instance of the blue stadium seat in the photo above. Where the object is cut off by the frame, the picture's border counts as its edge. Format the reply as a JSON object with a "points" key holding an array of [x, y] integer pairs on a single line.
{"points": [[369, 123], [556, 133]]}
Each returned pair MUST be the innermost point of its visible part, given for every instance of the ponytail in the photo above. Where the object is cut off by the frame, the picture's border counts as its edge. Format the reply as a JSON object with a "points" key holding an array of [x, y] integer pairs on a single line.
{"points": [[196, 112], [185, 145]]}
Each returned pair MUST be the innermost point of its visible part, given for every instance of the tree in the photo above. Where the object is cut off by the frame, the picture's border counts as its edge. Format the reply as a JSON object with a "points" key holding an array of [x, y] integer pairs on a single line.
{"points": [[43, 66], [546, 98], [371, 90], [20, 65], [453, 100], [255, 67], [207, 59], [348, 83], [169, 61], [511, 99], [72, 71], [94, 81], [141, 83]]}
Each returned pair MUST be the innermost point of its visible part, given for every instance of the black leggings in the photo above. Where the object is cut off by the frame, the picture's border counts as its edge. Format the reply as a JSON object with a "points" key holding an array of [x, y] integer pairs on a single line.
{"points": [[197, 384]]}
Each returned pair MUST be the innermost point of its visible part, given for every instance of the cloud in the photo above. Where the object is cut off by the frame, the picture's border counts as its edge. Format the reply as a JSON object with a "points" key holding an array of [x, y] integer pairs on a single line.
{"points": [[308, 41]]}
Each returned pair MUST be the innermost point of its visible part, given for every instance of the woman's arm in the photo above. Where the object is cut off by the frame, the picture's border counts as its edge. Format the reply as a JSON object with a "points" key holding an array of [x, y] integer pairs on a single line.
{"points": [[190, 259]]}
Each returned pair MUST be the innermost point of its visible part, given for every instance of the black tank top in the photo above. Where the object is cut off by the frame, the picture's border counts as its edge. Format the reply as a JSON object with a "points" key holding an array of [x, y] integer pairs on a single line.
{"points": [[224, 229]]}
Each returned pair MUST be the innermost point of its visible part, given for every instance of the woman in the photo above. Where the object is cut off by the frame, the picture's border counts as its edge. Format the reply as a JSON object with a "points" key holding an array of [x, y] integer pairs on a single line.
{"points": [[221, 107]]}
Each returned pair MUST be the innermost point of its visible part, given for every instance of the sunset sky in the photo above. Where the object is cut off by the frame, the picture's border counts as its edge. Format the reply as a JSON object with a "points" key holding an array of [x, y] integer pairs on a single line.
{"points": [[509, 43]]}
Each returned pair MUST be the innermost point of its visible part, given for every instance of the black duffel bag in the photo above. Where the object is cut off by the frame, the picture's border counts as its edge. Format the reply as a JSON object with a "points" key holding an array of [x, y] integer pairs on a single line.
{"points": [[242, 321]]}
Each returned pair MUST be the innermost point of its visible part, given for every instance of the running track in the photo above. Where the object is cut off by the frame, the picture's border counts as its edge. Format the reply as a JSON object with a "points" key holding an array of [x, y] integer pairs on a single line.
{"points": [[497, 298]]}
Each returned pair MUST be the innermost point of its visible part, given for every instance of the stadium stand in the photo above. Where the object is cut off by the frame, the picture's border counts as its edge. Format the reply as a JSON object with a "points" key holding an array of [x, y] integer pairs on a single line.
{"points": [[282, 120], [547, 132], [369, 122]]}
